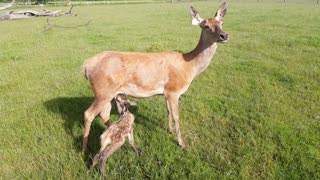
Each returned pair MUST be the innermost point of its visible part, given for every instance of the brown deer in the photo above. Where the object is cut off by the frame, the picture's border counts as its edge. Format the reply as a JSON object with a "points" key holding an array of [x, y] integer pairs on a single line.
{"points": [[148, 74], [114, 137]]}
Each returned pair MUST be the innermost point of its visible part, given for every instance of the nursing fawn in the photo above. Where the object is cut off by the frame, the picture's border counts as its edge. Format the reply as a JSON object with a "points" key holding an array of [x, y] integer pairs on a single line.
{"points": [[114, 137]]}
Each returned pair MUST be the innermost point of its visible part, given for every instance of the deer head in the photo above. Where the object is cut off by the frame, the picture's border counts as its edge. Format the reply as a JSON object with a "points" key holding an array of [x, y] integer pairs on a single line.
{"points": [[124, 102], [212, 27]]}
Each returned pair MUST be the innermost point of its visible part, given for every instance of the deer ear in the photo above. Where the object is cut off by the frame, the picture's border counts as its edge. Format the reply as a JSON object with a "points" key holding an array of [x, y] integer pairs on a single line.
{"points": [[196, 19], [221, 12]]}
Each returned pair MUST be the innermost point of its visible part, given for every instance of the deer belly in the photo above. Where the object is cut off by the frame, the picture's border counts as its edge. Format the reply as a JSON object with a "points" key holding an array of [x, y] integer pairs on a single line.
{"points": [[142, 91]]}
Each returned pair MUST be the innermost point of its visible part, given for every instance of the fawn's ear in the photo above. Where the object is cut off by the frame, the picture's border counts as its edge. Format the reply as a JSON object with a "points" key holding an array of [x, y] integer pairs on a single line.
{"points": [[131, 103], [196, 18], [221, 12]]}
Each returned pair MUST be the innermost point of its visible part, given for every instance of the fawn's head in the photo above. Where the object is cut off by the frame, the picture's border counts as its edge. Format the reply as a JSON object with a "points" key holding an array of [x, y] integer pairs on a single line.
{"points": [[211, 27], [124, 102]]}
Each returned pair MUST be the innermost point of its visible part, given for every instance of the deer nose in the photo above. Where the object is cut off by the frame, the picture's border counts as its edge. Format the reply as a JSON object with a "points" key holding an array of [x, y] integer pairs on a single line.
{"points": [[224, 36]]}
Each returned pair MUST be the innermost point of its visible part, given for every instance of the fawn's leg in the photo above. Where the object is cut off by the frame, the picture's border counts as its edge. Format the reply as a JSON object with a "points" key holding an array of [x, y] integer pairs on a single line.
{"points": [[119, 108], [131, 141], [106, 153], [95, 160], [104, 143]]}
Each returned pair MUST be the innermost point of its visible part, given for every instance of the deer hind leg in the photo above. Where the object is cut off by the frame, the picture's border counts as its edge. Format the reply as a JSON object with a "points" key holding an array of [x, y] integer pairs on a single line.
{"points": [[95, 108], [104, 144], [95, 160], [105, 114], [106, 153], [174, 106]]}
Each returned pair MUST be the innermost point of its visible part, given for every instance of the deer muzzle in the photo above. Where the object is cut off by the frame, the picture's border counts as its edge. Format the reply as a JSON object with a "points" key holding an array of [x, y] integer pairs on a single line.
{"points": [[224, 37]]}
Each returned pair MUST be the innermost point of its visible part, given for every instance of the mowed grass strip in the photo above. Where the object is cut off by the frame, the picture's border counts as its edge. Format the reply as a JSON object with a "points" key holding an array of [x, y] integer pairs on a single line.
{"points": [[253, 114]]}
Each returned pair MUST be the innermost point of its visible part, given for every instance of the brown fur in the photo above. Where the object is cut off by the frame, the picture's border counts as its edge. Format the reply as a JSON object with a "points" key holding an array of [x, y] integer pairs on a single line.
{"points": [[148, 74]]}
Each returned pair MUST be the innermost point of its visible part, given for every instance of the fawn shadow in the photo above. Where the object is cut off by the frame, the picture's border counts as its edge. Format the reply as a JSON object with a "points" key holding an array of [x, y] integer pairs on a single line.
{"points": [[71, 109]]}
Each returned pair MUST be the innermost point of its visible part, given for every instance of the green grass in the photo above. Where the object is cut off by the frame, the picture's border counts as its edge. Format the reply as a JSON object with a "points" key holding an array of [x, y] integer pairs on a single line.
{"points": [[253, 114]]}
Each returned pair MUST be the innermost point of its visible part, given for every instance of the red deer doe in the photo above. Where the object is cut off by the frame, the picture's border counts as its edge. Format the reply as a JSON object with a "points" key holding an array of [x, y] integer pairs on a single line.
{"points": [[114, 137], [148, 74]]}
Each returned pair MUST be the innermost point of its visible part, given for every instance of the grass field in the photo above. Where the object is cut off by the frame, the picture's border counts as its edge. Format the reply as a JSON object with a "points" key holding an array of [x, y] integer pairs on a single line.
{"points": [[253, 114]]}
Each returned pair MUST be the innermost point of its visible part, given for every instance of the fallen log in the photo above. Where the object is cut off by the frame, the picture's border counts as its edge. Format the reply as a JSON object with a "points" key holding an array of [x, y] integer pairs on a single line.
{"points": [[10, 16], [24, 14], [7, 5]]}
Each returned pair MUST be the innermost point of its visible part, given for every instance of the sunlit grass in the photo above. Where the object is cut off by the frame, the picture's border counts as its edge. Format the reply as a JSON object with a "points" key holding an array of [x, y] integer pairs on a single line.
{"points": [[254, 113]]}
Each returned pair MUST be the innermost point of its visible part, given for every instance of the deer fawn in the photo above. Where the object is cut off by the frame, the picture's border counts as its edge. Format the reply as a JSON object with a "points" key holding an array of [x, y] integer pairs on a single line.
{"points": [[114, 137], [148, 74]]}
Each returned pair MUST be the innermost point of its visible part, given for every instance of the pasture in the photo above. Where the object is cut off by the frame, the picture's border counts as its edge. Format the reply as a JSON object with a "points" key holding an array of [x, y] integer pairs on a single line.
{"points": [[253, 114]]}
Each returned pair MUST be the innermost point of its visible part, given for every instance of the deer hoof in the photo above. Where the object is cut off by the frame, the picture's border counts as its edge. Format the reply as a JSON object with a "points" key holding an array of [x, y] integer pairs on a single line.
{"points": [[182, 145], [171, 131]]}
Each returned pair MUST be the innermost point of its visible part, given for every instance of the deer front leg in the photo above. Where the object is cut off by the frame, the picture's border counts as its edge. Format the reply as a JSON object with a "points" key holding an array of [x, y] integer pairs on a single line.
{"points": [[174, 106], [171, 130], [131, 141]]}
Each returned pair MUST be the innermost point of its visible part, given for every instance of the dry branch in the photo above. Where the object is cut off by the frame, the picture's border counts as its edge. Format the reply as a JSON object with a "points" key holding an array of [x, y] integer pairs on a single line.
{"points": [[50, 25]]}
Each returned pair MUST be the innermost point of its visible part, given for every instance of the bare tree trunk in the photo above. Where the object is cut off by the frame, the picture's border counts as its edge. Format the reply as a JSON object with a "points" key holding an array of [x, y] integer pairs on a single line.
{"points": [[317, 1]]}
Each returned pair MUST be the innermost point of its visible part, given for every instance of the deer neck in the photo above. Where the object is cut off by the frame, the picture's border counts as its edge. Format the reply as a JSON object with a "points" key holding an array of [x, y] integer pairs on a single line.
{"points": [[201, 56]]}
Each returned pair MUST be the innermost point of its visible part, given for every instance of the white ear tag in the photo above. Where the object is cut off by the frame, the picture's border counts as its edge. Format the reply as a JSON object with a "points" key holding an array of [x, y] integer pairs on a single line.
{"points": [[195, 21]]}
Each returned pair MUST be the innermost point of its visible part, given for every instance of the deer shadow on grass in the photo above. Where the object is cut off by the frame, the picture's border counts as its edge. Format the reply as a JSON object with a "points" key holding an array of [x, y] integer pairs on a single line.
{"points": [[72, 109]]}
